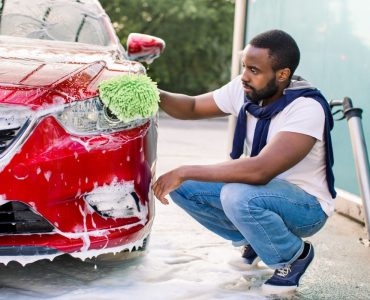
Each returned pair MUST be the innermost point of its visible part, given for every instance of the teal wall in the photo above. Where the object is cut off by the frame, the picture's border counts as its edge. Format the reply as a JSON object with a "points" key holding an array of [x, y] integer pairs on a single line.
{"points": [[334, 39]]}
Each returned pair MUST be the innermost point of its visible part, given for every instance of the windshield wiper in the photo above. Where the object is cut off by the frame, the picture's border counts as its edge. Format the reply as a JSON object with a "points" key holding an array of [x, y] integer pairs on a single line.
{"points": [[80, 27]]}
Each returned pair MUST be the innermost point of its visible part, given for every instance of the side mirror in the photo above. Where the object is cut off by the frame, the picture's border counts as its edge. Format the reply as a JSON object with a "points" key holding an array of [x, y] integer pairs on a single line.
{"points": [[144, 48]]}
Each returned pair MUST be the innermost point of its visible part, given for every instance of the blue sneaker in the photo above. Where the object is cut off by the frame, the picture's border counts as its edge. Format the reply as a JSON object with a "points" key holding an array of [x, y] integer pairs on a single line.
{"points": [[248, 260], [286, 279], [250, 256]]}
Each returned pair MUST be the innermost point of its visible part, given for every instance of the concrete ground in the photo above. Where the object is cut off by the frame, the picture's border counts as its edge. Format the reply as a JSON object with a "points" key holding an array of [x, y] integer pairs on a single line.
{"points": [[341, 269]]}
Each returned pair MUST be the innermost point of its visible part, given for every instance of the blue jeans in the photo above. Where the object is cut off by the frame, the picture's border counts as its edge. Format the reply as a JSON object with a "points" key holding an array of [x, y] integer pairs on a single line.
{"points": [[272, 218]]}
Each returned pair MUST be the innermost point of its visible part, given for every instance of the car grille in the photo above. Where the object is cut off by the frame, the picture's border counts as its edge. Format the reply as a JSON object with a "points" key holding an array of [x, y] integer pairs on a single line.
{"points": [[18, 218], [7, 136]]}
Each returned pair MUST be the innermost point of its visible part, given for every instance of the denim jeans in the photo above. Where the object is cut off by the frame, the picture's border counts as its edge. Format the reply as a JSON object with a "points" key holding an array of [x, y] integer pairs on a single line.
{"points": [[272, 218]]}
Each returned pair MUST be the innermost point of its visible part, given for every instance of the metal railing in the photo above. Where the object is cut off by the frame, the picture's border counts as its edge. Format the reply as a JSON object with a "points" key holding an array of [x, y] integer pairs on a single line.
{"points": [[353, 116]]}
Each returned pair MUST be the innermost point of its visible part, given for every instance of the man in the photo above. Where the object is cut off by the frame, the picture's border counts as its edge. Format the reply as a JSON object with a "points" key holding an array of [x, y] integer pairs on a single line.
{"points": [[284, 189]]}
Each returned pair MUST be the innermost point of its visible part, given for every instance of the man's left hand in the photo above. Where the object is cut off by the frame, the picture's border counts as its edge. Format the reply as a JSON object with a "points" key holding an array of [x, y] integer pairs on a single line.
{"points": [[166, 184]]}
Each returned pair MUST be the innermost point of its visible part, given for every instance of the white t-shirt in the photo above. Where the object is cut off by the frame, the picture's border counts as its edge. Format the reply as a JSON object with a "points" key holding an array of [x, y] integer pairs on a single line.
{"points": [[303, 115]]}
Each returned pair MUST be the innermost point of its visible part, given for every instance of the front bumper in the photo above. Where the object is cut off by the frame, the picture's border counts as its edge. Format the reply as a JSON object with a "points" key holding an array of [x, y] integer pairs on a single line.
{"points": [[54, 171]]}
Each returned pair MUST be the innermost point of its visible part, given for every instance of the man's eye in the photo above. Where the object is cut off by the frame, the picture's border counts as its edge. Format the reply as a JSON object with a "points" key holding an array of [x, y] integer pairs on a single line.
{"points": [[253, 70]]}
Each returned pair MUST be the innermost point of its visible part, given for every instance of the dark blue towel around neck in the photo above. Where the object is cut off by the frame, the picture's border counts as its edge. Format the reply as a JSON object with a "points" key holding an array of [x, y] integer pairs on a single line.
{"points": [[264, 115]]}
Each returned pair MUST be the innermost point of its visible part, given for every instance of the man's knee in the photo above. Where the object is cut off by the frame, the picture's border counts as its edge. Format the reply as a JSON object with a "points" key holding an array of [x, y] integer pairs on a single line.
{"points": [[238, 198], [231, 197]]}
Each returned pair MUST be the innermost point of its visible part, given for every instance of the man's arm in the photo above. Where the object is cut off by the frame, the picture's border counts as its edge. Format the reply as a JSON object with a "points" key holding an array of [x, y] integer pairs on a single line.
{"points": [[189, 107], [284, 151]]}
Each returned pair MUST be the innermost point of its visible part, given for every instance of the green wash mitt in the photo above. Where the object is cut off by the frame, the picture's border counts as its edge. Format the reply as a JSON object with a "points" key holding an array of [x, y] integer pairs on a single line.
{"points": [[130, 97]]}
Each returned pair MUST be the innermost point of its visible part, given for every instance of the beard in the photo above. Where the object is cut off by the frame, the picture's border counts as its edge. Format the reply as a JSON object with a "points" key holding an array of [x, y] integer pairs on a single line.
{"points": [[267, 92]]}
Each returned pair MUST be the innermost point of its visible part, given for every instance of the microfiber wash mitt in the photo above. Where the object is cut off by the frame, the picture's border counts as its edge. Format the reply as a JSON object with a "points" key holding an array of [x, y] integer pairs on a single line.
{"points": [[130, 97]]}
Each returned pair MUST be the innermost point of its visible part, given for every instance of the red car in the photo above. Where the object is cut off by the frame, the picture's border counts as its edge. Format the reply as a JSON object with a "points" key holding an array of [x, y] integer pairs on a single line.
{"points": [[73, 178]]}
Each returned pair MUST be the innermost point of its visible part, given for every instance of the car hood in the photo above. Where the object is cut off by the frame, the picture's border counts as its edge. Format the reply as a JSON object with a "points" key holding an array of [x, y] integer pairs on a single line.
{"points": [[44, 75], [35, 83]]}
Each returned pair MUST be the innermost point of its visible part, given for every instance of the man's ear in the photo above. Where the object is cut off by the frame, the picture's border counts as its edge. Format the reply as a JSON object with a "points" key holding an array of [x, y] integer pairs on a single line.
{"points": [[283, 74]]}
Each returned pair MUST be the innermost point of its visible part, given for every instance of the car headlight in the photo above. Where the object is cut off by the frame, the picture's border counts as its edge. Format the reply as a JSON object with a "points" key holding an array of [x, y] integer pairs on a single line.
{"points": [[92, 116]]}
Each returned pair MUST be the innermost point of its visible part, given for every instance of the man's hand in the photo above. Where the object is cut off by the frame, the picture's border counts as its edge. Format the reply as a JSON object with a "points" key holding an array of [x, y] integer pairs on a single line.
{"points": [[166, 184]]}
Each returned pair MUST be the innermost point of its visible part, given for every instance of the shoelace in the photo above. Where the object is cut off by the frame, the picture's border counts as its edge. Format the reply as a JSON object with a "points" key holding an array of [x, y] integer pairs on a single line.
{"points": [[283, 272]]}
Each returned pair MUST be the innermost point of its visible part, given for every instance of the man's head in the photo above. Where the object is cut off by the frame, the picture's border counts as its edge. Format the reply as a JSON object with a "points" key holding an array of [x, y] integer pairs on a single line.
{"points": [[269, 61], [283, 50]]}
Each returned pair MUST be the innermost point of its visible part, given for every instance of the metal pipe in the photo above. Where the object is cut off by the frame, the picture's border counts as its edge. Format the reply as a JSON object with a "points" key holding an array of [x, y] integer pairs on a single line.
{"points": [[353, 116], [362, 165], [238, 45]]}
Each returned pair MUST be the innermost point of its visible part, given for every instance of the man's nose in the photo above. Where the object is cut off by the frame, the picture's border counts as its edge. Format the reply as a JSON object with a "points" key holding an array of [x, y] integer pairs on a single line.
{"points": [[245, 76]]}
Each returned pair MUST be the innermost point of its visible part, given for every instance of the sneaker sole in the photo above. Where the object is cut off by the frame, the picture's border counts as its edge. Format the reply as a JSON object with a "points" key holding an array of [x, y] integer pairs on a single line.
{"points": [[269, 289], [240, 264]]}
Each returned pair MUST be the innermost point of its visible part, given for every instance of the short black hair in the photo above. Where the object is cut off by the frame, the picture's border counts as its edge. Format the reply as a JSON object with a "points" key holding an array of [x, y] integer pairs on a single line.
{"points": [[283, 49]]}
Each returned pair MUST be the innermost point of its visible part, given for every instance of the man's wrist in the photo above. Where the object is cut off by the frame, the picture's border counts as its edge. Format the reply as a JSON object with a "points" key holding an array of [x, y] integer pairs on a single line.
{"points": [[183, 172]]}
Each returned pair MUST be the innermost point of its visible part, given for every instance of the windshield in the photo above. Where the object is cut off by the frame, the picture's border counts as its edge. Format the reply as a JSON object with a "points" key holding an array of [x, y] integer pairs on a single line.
{"points": [[62, 20]]}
